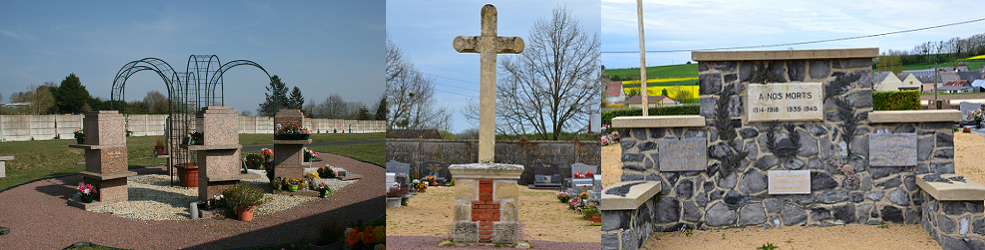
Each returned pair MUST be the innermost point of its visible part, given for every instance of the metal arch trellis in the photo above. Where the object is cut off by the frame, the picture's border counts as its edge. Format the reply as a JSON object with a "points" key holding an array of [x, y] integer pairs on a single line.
{"points": [[187, 92]]}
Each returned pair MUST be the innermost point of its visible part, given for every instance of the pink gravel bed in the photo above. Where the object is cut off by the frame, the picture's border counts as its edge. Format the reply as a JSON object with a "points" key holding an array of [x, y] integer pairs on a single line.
{"points": [[39, 218]]}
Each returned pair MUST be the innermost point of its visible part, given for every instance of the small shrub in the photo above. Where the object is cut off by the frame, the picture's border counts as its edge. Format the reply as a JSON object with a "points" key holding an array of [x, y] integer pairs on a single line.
{"points": [[896, 100], [768, 246], [669, 110], [244, 195]]}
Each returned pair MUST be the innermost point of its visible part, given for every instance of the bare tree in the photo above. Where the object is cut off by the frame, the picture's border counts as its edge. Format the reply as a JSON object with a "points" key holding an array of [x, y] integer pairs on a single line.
{"points": [[553, 84], [156, 102], [410, 95], [246, 113]]}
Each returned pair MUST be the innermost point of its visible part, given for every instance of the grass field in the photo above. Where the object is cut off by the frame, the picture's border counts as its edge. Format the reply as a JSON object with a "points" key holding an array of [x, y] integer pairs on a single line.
{"points": [[666, 71], [50, 158]]}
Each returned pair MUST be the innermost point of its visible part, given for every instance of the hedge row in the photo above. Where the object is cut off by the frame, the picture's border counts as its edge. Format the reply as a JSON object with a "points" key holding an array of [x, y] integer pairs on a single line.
{"points": [[669, 110], [896, 100]]}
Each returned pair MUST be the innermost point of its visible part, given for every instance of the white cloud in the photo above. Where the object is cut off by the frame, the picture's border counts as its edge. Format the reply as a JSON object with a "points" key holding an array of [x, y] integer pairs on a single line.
{"points": [[19, 35]]}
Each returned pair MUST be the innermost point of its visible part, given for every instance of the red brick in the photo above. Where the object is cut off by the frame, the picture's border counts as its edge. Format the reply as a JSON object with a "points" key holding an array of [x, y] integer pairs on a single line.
{"points": [[485, 223], [486, 182], [484, 232], [483, 190]]}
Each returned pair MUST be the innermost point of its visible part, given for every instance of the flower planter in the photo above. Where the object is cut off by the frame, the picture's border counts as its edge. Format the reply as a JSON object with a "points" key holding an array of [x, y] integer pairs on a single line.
{"points": [[338, 245], [87, 199], [160, 151], [393, 201], [422, 190], [245, 213], [293, 187], [80, 140], [188, 174], [434, 184], [288, 137], [596, 219]]}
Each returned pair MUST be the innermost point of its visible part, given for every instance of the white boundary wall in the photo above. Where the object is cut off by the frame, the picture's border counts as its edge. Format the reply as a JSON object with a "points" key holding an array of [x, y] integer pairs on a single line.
{"points": [[46, 127]]}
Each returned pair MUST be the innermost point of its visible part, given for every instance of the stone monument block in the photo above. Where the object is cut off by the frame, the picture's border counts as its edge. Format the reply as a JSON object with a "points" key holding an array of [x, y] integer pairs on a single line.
{"points": [[106, 160], [217, 130], [465, 190], [893, 149], [104, 127], [505, 190]]}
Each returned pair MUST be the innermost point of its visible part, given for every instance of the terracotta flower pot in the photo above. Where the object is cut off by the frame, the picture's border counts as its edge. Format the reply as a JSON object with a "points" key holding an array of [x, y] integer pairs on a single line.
{"points": [[596, 219], [422, 190], [245, 213], [187, 174]]}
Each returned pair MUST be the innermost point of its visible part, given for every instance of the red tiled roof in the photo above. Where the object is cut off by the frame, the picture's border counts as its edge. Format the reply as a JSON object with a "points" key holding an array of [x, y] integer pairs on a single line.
{"points": [[955, 83], [613, 89]]}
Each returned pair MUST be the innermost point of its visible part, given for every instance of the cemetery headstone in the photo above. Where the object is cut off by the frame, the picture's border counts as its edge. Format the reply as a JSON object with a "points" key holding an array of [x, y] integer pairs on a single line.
{"points": [[397, 167], [546, 174], [486, 200], [219, 162], [967, 108], [438, 170], [582, 184], [893, 149], [3, 165], [106, 157], [288, 154]]}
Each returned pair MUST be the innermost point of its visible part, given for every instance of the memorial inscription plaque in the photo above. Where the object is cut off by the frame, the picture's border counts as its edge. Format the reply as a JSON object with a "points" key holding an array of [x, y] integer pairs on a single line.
{"points": [[893, 149], [789, 181], [683, 155], [785, 102]]}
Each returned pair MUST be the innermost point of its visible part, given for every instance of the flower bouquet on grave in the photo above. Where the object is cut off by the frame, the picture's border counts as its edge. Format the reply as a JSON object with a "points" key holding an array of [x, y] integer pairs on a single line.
{"points": [[579, 175], [563, 196], [309, 154], [326, 172], [589, 174], [606, 140], [293, 184], [79, 136], [432, 179], [405, 200], [277, 183], [87, 193], [323, 190], [575, 204], [583, 195], [977, 116], [360, 237], [421, 186], [305, 133], [311, 175]]}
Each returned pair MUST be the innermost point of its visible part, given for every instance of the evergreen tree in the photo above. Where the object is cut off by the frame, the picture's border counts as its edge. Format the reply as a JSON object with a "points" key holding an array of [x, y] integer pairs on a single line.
{"points": [[71, 95], [364, 113], [296, 101], [381, 110], [276, 99]]}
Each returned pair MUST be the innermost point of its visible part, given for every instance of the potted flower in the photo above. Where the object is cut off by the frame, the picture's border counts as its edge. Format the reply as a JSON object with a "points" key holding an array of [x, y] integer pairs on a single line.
{"points": [[332, 236], [326, 172], [87, 193], [977, 116], [311, 175], [305, 133], [579, 175], [292, 184], [360, 237], [79, 136], [197, 138], [308, 154], [323, 190], [405, 200], [563, 196], [277, 183], [589, 174], [244, 198], [393, 196], [291, 132], [159, 147], [432, 179], [420, 186]]}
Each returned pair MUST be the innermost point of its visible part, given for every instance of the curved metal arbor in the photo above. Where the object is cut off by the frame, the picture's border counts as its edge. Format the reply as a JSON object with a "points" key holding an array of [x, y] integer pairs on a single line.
{"points": [[188, 92]]}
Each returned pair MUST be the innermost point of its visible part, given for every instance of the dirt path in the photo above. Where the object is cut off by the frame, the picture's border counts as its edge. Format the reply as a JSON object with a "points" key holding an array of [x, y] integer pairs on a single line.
{"points": [[969, 153], [542, 217]]}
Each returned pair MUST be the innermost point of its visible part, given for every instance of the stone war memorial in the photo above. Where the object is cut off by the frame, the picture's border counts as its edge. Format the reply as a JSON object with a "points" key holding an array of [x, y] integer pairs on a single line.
{"points": [[790, 138]]}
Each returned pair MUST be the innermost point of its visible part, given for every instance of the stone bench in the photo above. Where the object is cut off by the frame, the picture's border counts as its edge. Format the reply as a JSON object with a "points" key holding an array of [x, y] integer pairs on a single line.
{"points": [[953, 212], [3, 164], [626, 217]]}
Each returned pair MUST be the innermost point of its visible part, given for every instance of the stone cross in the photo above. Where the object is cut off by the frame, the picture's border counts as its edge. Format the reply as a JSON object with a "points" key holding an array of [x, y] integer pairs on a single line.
{"points": [[488, 45]]}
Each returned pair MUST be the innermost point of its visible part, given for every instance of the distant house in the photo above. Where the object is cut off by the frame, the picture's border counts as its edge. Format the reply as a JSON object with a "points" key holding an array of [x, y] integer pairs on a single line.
{"points": [[910, 82], [17, 105], [652, 101], [979, 85], [614, 93], [956, 87], [413, 134], [886, 81]]}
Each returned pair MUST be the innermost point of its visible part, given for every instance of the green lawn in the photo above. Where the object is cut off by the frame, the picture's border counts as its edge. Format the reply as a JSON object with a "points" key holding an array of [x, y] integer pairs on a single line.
{"points": [[372, 152], [666, 71], [49, 158]]}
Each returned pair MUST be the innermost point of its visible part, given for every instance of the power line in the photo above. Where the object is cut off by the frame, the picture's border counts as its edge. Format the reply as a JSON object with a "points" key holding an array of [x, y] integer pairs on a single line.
{"points": [[453, 93], [471, 74], [802, 43]]}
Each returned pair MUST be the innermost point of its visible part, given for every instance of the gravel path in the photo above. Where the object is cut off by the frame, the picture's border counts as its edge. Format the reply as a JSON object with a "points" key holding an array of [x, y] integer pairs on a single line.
{"points": [[430, 242], [40, 219]]}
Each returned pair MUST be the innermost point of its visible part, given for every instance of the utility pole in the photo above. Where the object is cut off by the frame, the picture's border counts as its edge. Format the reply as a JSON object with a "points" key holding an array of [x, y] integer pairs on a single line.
{"points": [[643, 94], [939, 47]]}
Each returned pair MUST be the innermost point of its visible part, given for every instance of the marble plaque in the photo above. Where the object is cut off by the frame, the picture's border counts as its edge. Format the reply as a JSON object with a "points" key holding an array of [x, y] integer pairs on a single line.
{"points": [[789, 181], [683, 155], [785, 102], [893, 149]]}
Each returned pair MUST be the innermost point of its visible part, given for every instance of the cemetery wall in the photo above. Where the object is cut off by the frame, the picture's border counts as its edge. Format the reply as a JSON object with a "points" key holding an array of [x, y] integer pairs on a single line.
{"points": [[731, 189], [46, 127], [563, 153]]}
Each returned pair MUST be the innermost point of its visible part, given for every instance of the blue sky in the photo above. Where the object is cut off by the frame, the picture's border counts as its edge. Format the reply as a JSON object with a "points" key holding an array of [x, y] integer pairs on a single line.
{"points": [[674, 25], [322, 47], [424, 30]]}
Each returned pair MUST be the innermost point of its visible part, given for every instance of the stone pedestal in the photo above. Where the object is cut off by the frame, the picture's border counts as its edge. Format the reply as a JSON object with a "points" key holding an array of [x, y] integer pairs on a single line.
{"points": [[106, 155], [486, 203], [3, 165], [626, 222], [219, 164], [288, 154]]}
